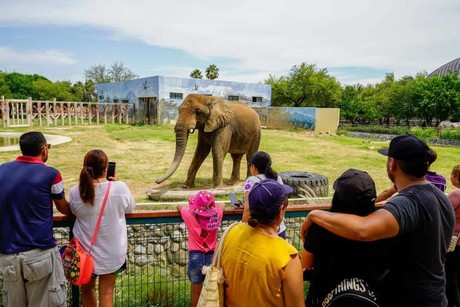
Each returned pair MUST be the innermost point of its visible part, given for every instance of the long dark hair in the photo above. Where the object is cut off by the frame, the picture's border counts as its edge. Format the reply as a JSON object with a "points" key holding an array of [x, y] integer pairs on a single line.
{"points": [[94, 165], [262, 161]]}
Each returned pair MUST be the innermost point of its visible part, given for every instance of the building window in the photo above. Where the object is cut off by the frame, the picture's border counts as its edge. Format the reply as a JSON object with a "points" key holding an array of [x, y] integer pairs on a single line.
{"points": [[256, 99], [115, 100], [124, 101], [175, 95], [233, 98]]}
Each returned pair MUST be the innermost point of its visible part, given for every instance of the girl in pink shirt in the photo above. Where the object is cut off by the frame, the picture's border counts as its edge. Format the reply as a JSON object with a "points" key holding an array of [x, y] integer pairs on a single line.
{"points": [[202, 218]]}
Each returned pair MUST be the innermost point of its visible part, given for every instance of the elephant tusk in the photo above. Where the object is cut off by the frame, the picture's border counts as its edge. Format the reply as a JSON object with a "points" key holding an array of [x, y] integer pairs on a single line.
{"points": [[191, 130]]}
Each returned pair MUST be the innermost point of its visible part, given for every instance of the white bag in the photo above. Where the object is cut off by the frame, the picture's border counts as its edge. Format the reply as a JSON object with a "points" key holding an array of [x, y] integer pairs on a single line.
{"points": [[212, 292]]}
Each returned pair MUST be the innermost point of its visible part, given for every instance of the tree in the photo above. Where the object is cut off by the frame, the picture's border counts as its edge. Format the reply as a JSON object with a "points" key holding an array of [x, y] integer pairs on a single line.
{"points": [[97, 74], [305, 86], [212, 72], [350, 105], [47, 90], [4, 88], [196, 74], [21, 85], [117, 73], [437, 97], [90, 91], [78, 90]]}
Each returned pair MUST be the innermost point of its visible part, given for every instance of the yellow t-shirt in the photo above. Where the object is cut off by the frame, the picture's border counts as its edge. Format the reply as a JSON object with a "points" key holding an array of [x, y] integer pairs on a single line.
{"points": [[253, 267]]}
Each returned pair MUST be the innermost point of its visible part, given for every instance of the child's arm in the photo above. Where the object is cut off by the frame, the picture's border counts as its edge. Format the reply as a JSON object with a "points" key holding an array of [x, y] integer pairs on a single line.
{"points": [[222, 206], [179, 207], [306, 260]]}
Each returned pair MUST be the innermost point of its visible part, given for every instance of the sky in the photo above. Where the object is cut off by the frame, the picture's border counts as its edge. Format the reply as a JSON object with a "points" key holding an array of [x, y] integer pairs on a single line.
{"points": [[357, 41]]}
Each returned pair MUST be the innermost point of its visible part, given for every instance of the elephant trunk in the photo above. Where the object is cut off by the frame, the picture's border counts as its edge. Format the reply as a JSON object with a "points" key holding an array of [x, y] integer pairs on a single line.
{"points": [[181, 144]]}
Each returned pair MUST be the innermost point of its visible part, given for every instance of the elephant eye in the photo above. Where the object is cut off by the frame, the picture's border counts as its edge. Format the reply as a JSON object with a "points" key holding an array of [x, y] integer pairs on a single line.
{"points": [[198, 112]]}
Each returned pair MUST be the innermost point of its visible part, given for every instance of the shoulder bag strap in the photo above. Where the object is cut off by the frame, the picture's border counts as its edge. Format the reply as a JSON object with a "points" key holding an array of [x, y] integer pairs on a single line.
{"points": [[96, 230], [218, 252]]}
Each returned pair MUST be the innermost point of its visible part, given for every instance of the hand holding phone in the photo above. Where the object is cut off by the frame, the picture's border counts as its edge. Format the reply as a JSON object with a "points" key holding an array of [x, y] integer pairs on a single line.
{"points": [[235, 202], [111, 171]]}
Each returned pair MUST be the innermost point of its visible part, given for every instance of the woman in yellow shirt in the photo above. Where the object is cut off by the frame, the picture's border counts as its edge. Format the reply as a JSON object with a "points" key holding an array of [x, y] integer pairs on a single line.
{"points": [[260, 268]]}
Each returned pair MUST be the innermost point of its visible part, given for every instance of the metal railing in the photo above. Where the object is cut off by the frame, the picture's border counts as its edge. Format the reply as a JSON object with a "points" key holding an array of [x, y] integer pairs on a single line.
{"points": [[157, 255]]}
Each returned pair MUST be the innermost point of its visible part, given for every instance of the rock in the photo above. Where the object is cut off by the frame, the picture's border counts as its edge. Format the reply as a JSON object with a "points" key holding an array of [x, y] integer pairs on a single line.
{"points": [[139, 249], [159, 249]]}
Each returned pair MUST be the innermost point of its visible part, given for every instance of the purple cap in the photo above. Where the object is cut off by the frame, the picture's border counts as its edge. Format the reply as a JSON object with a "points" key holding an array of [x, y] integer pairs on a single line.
{"points": [[268, 194]]}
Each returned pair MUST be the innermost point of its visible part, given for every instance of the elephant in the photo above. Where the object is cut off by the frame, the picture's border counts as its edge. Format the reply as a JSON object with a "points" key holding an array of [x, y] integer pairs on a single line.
{"points": [[223, 127]]}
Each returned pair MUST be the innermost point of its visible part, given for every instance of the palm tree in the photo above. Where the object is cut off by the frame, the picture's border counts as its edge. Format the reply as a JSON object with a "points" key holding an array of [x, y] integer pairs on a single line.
{"points": [[196, 74], [212, 72]]}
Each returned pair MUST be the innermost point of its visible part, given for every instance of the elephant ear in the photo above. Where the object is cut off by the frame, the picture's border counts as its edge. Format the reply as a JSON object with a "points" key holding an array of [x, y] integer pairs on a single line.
{"points": [[220, 116]]}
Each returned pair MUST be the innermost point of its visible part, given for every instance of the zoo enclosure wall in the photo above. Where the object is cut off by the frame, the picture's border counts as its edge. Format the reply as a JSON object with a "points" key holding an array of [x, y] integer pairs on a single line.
{"points": [[153, 277], [28, 112]]}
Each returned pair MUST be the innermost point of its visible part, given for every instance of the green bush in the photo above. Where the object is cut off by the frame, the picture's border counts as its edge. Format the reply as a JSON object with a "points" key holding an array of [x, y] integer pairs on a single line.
{"points": [[450, 134], [155, 289], [378, 129], [422, 133]]}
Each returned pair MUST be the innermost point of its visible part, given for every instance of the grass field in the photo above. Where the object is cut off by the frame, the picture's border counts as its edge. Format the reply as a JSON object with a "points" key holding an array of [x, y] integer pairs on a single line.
{"points": [[143, 153]]}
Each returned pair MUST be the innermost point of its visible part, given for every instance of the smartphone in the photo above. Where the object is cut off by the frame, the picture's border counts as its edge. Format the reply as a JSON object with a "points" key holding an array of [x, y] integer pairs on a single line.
{"points": [[111, 170], [233, 200]]}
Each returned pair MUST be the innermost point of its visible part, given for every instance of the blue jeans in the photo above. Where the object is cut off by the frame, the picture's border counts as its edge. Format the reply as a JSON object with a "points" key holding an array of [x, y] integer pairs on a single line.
{"points": [[196, 261]]}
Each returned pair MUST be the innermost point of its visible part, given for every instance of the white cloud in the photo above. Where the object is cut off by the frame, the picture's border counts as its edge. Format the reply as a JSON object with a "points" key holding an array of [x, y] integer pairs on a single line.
{"points": [[54, 57], [269, 37]]}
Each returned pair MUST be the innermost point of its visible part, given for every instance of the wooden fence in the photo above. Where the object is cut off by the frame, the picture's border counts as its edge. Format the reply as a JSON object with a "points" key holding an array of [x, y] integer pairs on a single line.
{"points": [[27, 112]]}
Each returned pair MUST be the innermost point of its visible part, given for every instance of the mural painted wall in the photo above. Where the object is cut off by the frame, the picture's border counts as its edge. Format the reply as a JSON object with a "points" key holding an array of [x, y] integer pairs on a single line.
{"points": [[321, 120], [287, 117]]}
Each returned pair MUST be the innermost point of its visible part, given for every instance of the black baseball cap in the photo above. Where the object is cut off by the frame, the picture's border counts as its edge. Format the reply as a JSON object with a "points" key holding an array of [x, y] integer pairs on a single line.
{"points": [[407, 148], [355, 193]]}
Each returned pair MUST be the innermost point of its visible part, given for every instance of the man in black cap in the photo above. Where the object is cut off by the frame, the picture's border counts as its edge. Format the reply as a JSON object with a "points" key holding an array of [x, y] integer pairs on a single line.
{"points": [[421, 218]]}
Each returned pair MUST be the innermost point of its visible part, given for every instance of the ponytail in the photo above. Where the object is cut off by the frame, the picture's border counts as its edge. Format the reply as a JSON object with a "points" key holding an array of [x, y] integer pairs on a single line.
{"points": [[270, 173], [86, 186], [94, 166]]}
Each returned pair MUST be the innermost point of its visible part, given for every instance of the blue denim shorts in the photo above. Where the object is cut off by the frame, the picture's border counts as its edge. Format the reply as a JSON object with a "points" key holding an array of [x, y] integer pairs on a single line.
{"points": [[196, 261]]}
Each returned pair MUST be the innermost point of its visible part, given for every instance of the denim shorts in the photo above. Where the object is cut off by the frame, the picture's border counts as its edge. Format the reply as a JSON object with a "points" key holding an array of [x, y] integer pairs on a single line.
{"points": [[196, 261]]}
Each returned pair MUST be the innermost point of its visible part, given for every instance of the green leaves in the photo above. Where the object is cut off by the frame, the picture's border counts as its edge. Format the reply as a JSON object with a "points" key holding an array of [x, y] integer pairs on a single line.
{"points": [[212, 72], [196, 73], [306, 86]]}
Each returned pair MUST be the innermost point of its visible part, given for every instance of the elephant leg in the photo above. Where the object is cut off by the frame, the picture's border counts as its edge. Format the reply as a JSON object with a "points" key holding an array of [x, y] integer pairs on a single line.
{"points": [[236, 169], [201, 152], [218, 157], [252, 150]]}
